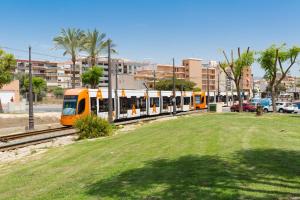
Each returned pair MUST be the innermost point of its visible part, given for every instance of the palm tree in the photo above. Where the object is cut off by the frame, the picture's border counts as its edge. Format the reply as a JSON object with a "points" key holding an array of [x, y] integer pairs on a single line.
{"points": [[71, 41], [94, 44], [112, 46]]}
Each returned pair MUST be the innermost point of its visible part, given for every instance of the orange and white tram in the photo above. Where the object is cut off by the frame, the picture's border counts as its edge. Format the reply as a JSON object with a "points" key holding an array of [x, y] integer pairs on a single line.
{"points": [[131, 103]]}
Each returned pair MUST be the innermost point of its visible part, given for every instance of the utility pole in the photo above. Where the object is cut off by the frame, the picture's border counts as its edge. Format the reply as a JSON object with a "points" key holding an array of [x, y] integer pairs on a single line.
{"points": [[154, 79], [31, 119], [116, 91], [174, 93], [218, 99], [110, 109]]}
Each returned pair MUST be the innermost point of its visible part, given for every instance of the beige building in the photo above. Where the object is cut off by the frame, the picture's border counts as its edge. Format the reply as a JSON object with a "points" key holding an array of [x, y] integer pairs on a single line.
{"points": [[10, 93], [151, 73], [60, 73], [193, 70], [289, 82], [55, 73], [247, 80]]}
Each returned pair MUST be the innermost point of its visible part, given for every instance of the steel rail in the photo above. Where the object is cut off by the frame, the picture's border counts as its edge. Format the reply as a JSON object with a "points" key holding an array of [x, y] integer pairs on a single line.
{"points": [[34, 141], [7, 138]]}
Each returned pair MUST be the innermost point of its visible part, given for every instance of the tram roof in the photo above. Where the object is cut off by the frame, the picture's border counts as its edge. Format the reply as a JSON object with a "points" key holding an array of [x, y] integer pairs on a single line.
{"points": [[75, 91]]}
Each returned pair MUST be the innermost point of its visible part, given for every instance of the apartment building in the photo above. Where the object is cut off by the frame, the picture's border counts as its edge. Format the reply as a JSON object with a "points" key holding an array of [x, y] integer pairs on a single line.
{"points": [[56, 74], [123, 66], [59, 74], [38, 67], [289, 82], [204, 74], [156, 72]]}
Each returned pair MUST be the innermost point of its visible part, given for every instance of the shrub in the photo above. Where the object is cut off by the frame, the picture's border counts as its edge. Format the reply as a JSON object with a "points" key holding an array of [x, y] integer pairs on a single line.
{"points": [[91, 126], [58, 92]]}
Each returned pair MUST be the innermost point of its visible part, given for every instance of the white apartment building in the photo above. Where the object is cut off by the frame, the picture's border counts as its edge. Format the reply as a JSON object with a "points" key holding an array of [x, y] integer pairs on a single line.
{"points": [[59, 74]]}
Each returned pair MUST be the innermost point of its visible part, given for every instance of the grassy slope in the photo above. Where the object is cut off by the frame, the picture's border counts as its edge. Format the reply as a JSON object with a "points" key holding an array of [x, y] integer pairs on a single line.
{"points": [[226, 156]]}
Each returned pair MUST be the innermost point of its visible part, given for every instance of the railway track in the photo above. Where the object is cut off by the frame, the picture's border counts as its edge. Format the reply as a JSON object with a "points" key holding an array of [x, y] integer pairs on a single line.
{"points": [[15, 141], [8, 138]]}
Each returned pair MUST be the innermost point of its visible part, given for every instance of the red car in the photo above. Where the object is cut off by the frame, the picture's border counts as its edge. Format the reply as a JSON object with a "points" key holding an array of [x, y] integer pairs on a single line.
{"points": [[246, 108]]}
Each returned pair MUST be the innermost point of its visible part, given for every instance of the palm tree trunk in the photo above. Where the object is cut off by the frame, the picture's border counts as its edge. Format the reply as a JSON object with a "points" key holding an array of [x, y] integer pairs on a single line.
{"points": [[73, 79], [93, 61]]}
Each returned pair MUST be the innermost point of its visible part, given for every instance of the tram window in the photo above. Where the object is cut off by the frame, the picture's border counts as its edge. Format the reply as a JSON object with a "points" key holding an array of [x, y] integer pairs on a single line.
{"points": [[81, 106], [178, 101], [154, 100], [137, 100], [198, 99], [202, 99], [166, 102], [69, 106], [123, 105], [132, 101], [186, 100], [93, 105], [103, 105], [142, 104]]}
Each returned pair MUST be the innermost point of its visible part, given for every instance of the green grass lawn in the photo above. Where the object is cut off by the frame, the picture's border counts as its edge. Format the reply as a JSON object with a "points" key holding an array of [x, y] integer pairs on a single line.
{"points": [[209, 156]]}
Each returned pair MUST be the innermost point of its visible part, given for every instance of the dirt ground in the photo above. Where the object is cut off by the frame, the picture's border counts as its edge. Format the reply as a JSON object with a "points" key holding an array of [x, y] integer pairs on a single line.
{"points": [[11, 120], [14, 123]]}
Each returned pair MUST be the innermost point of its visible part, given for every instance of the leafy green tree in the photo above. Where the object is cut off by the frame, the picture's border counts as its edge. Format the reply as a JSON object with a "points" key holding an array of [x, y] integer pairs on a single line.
{"points": [[277, 62], [58, 92], [197, 89], [39, 86], [7, 65], [94, 44], [71, 40], [234, 69], [180, 84], [22, 77], [92, 76]]}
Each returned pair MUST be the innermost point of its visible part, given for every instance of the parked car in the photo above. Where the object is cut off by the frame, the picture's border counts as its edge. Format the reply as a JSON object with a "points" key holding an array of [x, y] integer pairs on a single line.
{"points": [[296, 108], [289, 108], [246, 108], [280, 107]]}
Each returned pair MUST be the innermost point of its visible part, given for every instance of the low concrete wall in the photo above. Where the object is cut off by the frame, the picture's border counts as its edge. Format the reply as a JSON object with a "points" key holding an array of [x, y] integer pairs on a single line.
{"points": [[12, 107]]}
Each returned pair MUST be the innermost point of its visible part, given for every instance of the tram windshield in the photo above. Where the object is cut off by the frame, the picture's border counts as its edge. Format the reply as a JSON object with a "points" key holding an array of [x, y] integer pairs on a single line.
{"points": [[70, 104], [198, 99]]}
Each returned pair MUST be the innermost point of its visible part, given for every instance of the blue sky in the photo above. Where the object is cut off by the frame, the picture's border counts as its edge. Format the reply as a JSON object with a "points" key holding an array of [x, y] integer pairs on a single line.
{"points": [[156, 29]]}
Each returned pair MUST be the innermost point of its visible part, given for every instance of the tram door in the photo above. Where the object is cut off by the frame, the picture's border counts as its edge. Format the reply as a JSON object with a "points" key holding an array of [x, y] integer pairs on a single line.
{"points": [[93, 101]]}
